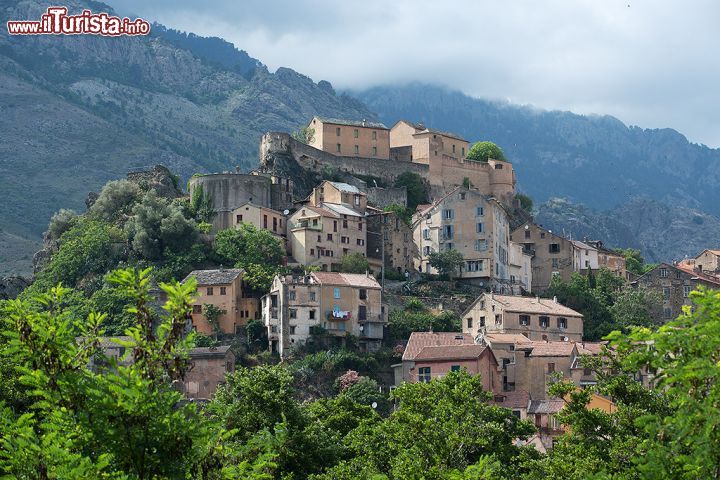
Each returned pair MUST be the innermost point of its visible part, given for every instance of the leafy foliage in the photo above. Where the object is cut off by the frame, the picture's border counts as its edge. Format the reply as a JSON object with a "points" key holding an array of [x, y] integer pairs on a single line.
{"points": [[354, 263], [415, 317], [304, 134], [483, 151], [417, 189], [447, 262], [634, 261]]}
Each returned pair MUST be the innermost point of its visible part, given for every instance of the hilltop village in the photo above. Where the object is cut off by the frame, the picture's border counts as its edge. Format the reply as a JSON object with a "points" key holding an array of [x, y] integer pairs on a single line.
{"points": [[331, 193], [406, 244]]}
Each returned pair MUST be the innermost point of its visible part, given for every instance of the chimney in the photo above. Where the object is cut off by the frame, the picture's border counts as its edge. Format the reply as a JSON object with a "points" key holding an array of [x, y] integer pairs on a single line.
{"points": [[237, 168], [537, 298], [555, 299]]}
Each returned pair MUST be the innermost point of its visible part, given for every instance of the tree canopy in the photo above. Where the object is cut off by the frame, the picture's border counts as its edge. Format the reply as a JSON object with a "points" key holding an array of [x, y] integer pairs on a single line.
{"points": [[483, 151]]}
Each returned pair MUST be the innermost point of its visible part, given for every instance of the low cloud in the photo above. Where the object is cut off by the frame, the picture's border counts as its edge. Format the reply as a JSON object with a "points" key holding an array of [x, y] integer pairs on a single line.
{"points": [[650, 63]]}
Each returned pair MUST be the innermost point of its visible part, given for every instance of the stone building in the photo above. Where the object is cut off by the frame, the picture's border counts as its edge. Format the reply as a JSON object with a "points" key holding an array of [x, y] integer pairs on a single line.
{"points": [[426, 144], [206, 371], [551, 254], [388, 230], [585, 257], [337, 304], [675, 282], [262, 218], [535, 318], [338, 193], [430, 355], [520, 268], [229, 191], [473, 224], [225, 289], [610, 259], [350, 138], [707, 262]]}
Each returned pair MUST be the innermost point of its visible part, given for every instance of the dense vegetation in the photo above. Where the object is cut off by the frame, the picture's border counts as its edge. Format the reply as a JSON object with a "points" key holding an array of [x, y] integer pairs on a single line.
{"points": [[59, 419]]}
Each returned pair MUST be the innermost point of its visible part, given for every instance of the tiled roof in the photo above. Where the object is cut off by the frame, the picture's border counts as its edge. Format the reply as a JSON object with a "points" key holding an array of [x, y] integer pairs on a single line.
{"points": [[590, 348], [215, 277], [512, 303], [341, 209], [352, 123], [324, 212], [450, 352], [419, 340], [545, 406], [516, 399], [506, 338], [219, 351], [348, 279], [424, 129], [345, 187], [582, 245], [548, 349], [702, 276]]}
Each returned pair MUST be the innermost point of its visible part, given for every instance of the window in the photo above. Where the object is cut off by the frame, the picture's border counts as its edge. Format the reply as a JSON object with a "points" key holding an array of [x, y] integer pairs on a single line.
{"points": [[498, 166], [463, 151], [453, 148], [209, 291], [527, 233], [293, 313], [542, 234], [666, 293], [480, 227], [360, 226], [498, 319], [360, 242], [482, 321], [345, 224], [562, 322], [329, 237], [424, 374], [362, 312], [223, 290], [686, 290], [587, 371], [356, 133], [555, 263], [448, 231], [336, 292], [678, 275], [462, 195], [293, 329], [479, 211], [426, 233], [663, 273], [312, 252], [337, 132], [363, 294], [544, 322], [481, 245], [291, 295], [469, 322], [374, 135], [455, 368], [357, 199], [550, 367], [312, 296], [475, 266], [525, 320], [197, 309], [554, 248], [357, 149], [667, 312], [374, 151], [238, 218], [311, 314], [448, 214], [334, 225], [427, 250]]}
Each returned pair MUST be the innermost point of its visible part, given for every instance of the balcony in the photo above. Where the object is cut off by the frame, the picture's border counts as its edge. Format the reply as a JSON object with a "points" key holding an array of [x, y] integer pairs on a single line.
{"points": [[372, 318], [307, 225]]}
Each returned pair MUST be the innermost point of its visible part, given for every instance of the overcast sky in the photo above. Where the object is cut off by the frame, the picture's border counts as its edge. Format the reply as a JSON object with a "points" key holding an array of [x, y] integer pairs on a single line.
{"points": [[652, 63]]}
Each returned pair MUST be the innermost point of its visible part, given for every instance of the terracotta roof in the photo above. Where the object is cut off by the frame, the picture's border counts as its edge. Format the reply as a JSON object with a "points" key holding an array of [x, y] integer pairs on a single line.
{"points": [[506, 338], [548, 349], [320, 211], [419, 340], [582, 245], [215, 277], [348, 279], [702, 276], [516, 399], [546, 406], [352, 123], [450, 352], [534, 305], [590, 348]]}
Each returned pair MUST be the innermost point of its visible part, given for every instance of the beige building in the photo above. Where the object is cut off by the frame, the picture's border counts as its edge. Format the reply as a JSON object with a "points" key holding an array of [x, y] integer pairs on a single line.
{"points": [[206, 371], [338, 193], [262, 218], [585, 257], [473, 224], [535, 318], [675, 282], [386, 229], [350, 138], [430, 355], [551, 254], [338, 304], [520, 264], [610, 259], [426, 144], [226, 290], [708, 261]]}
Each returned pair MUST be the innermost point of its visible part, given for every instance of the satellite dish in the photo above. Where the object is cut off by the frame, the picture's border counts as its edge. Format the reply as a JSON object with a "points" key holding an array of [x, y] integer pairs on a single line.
{"points": [[374, 404], [286, 211]]}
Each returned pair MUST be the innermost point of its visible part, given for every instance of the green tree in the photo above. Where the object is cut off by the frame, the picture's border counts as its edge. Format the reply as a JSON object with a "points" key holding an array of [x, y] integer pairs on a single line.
{"points": [[483, 151], [115, 202], [201, 205], [256, 251], [354, 263], [403, 212], [304, 135], [212, 314], [634, 261], [61, 222], [417, 188], [447, 262]]}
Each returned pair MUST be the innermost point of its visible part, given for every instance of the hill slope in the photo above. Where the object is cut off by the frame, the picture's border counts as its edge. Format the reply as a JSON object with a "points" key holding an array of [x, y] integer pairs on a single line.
{"points": [[78, 111]]}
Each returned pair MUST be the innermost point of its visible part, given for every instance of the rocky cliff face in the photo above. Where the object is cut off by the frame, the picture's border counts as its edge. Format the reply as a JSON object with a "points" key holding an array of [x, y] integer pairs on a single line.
{"points": [[77, 111]]}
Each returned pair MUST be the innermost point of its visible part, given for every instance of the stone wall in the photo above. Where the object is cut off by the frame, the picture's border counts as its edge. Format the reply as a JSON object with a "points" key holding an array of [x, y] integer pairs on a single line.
{"points": [[382, 197]]}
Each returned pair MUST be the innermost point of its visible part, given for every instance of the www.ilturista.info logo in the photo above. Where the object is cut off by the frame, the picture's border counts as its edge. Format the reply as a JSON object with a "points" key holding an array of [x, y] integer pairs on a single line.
{"points": [[56, 21]]}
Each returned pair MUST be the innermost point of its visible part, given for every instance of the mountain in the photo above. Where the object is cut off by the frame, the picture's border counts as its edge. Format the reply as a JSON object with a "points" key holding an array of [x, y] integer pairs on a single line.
{"points": [[661, 232], [77, 111], [588, 159]]}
